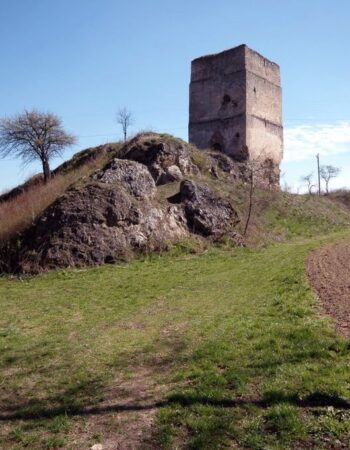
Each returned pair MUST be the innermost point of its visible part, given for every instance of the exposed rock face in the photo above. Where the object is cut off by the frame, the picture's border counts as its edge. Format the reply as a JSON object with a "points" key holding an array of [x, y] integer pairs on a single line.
{"points": [[103, 222], [206, 212], [134, 177], [167, 161], [119, 213], [219, 160]]}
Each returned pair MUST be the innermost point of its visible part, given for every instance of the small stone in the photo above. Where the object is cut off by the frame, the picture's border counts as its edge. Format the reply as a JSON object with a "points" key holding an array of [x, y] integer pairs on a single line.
{"points": [[174, 173], [97, 447]]}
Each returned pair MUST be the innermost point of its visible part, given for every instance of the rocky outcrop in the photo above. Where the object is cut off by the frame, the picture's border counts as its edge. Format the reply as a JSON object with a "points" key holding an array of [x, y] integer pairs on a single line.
{"points": [[132, 176], [218, 161], [118, 211], [206, 212], [167, 160], [106, 221]]}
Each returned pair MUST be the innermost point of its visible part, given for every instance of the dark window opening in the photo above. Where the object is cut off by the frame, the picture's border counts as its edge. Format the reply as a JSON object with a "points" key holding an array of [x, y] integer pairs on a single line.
{"points": [[255, 90], [226, 99], [237, 135], [217, 141], [216, 146]]}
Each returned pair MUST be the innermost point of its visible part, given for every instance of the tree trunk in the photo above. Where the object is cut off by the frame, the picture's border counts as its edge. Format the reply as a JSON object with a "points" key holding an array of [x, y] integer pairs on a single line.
{"points": [[46, 170], [251, 192]]}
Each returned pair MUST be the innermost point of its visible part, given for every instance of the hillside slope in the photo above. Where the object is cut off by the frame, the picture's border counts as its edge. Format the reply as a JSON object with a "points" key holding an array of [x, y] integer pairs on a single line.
{"points": [[116, 211], [115, 202], [208, 345], [219, 350]]}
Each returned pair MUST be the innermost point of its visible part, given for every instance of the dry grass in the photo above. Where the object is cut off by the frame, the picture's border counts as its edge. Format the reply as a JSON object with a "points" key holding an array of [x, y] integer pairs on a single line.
{"points": [[20, 212], [342, 196]]}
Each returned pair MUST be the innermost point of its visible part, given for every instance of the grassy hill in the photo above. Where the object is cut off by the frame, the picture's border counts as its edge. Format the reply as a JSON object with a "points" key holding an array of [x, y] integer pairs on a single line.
{"points": [[276, 215], [223, 348], [202, 347]]}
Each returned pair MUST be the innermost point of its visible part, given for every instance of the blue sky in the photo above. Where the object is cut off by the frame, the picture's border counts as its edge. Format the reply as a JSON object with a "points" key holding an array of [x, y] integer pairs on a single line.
{"points": [[84, 59]]}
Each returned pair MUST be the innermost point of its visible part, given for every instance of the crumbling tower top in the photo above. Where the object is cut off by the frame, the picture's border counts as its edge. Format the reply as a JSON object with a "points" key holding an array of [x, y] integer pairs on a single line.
{"points": [[236, 105]]}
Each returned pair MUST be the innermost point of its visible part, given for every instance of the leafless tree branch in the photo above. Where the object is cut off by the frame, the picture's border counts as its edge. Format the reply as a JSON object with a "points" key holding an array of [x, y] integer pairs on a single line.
{"points": [[308, 179], [125, 119], [327, 173], [257, 170], [34, 135]]}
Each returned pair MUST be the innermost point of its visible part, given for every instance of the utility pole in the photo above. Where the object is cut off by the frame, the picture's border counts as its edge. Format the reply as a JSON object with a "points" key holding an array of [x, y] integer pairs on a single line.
{"points": [[318, 173]]}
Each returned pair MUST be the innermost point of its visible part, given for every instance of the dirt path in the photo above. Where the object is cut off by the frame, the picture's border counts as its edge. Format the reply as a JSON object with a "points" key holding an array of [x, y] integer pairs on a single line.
{"points": [[124, 420], [329, 273]]}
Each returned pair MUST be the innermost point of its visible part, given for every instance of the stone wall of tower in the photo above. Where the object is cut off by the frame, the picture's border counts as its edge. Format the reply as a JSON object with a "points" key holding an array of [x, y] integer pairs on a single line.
{"points": [[235, 105], [264, 132], [218, 102]]}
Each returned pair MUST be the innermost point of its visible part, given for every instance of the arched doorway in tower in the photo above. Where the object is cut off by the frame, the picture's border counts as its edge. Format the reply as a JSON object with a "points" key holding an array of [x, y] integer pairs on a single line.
{"points": [[217, 142]]}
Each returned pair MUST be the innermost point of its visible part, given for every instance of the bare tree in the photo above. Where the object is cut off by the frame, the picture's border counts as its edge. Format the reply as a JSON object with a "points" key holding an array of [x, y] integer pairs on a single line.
{"points": [[327, 173], [34, 135], [251, 178], [125, 119], [256, 169], [308, 179]]}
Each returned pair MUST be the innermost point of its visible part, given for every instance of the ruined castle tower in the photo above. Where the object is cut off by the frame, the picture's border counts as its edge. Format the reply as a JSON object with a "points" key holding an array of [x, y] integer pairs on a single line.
{"points": [[236, 106]]}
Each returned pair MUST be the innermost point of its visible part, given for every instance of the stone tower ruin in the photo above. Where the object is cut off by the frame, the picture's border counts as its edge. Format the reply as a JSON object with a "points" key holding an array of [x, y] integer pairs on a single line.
{"points": [[236, 107]]}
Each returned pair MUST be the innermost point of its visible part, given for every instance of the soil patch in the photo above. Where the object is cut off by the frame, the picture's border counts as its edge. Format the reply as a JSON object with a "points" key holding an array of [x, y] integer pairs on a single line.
{"points": [[127, 425], [329, 273]]}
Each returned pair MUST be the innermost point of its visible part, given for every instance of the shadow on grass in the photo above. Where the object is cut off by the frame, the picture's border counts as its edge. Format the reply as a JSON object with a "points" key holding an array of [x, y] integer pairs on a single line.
{"points": [[36, 410]]}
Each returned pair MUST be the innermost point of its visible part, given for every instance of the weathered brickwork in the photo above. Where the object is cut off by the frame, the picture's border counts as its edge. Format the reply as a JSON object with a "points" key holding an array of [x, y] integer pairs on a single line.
{"points": [[236, 106]]}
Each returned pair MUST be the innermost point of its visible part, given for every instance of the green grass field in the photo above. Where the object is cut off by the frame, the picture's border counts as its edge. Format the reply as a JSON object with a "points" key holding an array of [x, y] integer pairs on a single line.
{"points": [[229, 344]]}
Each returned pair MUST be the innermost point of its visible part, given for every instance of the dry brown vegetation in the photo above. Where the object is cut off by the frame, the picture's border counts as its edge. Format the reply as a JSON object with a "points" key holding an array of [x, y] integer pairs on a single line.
{"points": [[275, 215], [19, 212], [341, 195]]}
